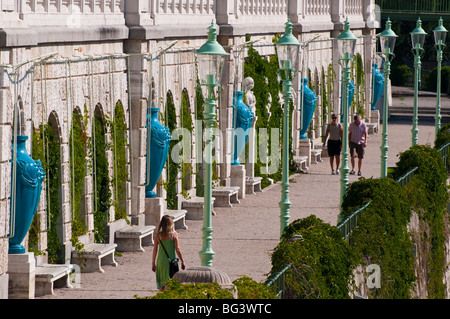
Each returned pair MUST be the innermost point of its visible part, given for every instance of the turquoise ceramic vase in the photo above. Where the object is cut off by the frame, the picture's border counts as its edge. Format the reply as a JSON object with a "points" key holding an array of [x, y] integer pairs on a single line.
{"points": [[159, 149], [243, 117], [29, 177], [308, 107], [377, 85]]}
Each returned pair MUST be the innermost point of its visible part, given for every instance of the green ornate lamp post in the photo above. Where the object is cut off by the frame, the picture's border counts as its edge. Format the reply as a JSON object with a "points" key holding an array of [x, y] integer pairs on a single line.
{"points": [[288, 49], [417, 40], [210, 58], [387, 43], [346, 44], [440, 35]]}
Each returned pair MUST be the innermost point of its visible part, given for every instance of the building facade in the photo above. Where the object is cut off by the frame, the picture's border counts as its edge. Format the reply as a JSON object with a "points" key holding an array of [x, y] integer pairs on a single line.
{"points": [[71, 65]]}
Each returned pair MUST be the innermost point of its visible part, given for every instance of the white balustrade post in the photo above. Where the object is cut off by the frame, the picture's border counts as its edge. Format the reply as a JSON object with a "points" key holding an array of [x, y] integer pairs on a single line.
{"points": [[224, 11]]}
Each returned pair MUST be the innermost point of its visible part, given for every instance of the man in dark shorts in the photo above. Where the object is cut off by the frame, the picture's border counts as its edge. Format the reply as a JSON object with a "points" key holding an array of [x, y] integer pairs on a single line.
{"points": [[357, 135], [334, 130]]}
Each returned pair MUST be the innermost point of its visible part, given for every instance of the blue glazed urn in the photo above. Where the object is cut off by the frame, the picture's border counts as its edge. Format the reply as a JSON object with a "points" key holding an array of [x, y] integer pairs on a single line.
{"points": [[308, 107], [243, 118], [29, 177], [377, 85], [159, 149]]}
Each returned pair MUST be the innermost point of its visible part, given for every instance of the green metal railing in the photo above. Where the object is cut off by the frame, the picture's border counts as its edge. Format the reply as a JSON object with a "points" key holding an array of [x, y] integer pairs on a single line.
{"points": [[407, 177], [351, 222], [415, 6], [277, 281], [347, 225], [444, 152]]}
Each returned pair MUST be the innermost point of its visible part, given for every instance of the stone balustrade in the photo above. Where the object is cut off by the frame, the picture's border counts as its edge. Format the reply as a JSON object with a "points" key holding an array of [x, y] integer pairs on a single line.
{"points": [[161, 18]]}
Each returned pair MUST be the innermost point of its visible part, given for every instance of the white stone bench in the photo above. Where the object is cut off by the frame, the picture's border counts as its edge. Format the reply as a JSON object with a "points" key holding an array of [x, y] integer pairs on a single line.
{"points": [[131, 238], [253, 184], [93, 256], [301, 162], [316, 156], [194, 207], [179, 218], [225, 196], [48, 276], [372, 128]]}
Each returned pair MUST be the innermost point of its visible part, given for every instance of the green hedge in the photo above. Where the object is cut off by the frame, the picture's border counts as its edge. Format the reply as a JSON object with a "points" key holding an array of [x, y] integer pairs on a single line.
{"points": [[321, 262], [246, 287]]}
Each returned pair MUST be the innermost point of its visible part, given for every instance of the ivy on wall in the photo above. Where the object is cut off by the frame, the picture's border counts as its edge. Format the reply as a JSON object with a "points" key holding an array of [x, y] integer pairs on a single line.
{"points": [[120, 176], [382, 236], [186, 122], [359, 81], [199, 101], [101, 179], [172, 168], [77, 146], [46, 148], [427, 193], [37, 154], [322, 263]]}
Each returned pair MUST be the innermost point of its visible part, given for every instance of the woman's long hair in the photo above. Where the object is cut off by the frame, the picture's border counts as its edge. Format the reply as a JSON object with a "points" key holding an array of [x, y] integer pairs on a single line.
{"points": [[165, 226]]}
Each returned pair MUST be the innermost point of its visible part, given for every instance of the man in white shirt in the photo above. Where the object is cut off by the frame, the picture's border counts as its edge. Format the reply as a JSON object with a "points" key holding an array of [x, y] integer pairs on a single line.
{"points": [[357, 135]]}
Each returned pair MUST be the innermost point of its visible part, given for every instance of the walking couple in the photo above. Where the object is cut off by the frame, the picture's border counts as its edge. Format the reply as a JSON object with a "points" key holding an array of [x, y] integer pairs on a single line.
{"points": [[357, 136]]}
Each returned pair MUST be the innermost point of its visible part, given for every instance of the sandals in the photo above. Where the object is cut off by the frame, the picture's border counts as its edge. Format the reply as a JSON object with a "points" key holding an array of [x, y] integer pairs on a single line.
{"points": [[353, 173]]}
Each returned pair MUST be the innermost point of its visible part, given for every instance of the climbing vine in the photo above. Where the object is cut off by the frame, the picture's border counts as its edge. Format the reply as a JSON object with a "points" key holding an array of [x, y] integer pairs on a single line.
{"points": [[37, 154], [77, 148], [186, 123], [101, 179], [46, 148], [172, 168], [427, 193], [359, 75], [382, 237], [326, 92], [320, 259], [120, 176], [199, 101]]}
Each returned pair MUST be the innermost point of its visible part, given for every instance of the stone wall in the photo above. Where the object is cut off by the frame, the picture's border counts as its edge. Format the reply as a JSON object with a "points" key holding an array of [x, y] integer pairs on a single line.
{"points": [[91, 54]]}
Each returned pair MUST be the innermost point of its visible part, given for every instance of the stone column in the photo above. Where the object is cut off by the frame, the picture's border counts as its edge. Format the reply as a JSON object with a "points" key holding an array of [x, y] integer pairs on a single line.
{"points": [[138, 131]]}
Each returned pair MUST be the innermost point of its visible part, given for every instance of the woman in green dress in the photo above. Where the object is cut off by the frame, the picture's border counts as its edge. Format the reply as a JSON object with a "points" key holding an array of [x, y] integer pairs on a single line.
{"points": [[166, 235]]}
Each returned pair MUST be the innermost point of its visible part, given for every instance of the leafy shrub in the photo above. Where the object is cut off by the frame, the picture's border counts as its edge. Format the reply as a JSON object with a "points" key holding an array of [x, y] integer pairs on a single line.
{"points": [[247, 289], [427, 193], [321, 263], [250, 289], [175, 290], [431, 80], [400, 75]]}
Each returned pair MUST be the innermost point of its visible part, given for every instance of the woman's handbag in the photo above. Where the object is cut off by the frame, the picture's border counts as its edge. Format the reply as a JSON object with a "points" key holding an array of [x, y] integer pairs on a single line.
{"points": [[173, 264]]}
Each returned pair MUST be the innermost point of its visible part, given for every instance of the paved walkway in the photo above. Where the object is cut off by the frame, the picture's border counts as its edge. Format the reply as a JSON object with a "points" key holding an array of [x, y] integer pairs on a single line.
{"points": [[244, 236]]}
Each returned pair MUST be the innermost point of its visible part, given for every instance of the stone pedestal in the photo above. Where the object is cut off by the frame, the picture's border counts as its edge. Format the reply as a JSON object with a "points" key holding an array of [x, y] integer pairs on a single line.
{"points": [[154, 210], [237, 178], [4, 286], [21, 272], [375, 117], [305, 150]]}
